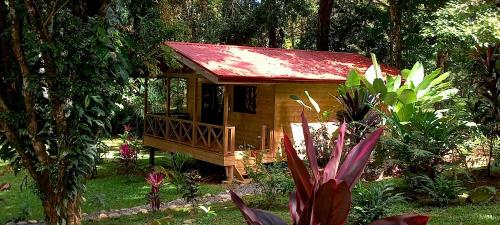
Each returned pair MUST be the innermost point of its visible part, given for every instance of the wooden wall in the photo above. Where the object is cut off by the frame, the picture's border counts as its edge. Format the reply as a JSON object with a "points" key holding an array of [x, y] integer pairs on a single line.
{"points": [[288, 111], [248, 126]]}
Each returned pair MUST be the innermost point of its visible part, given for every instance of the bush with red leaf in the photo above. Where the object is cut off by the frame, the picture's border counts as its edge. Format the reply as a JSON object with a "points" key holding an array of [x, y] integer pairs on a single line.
{"points": [[128, 157], [155, 179], [324, 197]]}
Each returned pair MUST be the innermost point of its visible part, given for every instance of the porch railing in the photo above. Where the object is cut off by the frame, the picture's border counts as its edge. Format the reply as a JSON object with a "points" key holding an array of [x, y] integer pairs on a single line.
{"points": [[205, 136]]}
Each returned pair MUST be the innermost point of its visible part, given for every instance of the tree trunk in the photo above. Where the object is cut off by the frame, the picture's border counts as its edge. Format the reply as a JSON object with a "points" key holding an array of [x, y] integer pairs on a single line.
{"points": [[396, 45], [490, 156], [442, 57], [324, 13], [273, 37], [70, 215]]}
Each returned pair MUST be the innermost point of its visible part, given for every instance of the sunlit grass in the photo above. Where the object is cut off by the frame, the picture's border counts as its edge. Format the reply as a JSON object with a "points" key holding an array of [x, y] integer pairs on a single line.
{"points": [[108, 190]]}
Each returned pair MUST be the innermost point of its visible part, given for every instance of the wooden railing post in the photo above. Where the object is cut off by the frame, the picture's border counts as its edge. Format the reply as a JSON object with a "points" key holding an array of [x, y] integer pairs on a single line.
{"points": [[194, 133], [263, 137], [229, 140]]}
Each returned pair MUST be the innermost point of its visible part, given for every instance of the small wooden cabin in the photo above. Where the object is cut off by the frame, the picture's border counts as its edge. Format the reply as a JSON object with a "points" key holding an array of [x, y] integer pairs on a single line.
{"points": [[228, 99]]}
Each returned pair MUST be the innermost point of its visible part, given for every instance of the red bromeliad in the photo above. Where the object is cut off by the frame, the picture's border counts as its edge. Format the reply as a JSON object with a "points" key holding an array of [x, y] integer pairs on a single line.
{"points": [[325, 197]]}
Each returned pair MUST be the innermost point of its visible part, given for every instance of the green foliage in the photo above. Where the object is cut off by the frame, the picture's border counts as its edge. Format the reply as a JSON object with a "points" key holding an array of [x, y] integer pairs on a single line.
{"points": [[441, 189], [190, 185], [373, 201], [176, 164], [482, 194], [422, 133], [273, 180], [357, 109]]}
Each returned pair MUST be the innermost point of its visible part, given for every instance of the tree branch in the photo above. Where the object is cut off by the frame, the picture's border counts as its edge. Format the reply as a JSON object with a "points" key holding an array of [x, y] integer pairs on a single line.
{"points": [[54, 11], [58, 105], [38, 145], [9, 133]]}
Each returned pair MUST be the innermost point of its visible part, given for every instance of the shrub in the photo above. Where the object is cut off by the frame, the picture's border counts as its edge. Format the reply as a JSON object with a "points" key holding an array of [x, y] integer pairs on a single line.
{"points": [[176, 164], [323, 198], [190, 186], [127, 158], [273, 180], [129, 150], [155, 179], [441, 190], [372, 202]]}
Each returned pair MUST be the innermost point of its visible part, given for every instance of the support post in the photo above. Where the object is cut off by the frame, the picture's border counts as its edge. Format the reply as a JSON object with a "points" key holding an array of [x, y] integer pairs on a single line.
{"points": [[225, 118], [229, 174], [168, 95], [145, 103], [151, 157]]}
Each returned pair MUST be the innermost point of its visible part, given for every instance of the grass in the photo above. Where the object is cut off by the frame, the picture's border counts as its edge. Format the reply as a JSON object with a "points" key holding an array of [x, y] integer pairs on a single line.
{"points": [[228, 214], [107, 191]]}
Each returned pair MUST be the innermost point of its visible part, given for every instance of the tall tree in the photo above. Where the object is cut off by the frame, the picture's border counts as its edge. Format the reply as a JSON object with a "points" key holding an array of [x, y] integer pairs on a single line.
{"points": [[324, 13], [395, 37], [68, 64]]}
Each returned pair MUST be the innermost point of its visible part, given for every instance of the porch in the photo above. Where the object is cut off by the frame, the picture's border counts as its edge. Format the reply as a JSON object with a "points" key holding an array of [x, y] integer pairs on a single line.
{"points": [[197, 118]]}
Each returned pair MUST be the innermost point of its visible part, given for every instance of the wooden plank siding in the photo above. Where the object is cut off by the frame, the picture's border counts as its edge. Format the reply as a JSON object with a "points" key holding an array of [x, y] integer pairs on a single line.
{"points": [[249, 126], [288, 111]]}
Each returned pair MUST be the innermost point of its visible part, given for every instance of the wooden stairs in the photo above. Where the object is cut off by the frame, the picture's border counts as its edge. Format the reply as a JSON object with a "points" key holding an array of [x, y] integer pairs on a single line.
{"points": [[245, 162]]}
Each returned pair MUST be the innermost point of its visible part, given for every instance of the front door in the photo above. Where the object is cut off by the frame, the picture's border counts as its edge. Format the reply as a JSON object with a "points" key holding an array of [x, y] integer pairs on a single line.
{"points": [[212, 104]]}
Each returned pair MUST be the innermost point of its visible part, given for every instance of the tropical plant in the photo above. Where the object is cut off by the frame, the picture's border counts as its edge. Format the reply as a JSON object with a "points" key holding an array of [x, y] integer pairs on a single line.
{"points": [[372, 202], [441, 189], [357, 111], [422, 134], [176, 166], [321, 136], [190, 185], [273, 180], [127, 158], [406, 93], [486, 110], [323, 198], [155, 179]]}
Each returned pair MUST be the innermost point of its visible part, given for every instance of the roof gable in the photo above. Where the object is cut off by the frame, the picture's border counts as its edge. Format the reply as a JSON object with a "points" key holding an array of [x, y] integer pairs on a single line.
{"points": [[226, 63]]}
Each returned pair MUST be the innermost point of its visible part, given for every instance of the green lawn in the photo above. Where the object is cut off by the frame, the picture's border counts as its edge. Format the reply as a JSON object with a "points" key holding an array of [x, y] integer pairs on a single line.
{"points": [[228, 214], [107, 191]]}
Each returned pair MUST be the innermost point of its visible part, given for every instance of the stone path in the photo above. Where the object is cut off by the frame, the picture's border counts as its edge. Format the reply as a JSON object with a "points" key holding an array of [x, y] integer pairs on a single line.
{"points": [[241, 190]]}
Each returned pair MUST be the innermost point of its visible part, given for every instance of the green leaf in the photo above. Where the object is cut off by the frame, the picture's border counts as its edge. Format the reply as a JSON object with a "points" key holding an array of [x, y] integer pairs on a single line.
{"points": [[97, 99], [376, 66], [87, 101], [428, 79], [370, 74], [404, 112], [353, 79], [298, 100], [416, 75], [379, 86], [390, 98], [408, 96], [405, 73], [439, 79], [313, 102]]}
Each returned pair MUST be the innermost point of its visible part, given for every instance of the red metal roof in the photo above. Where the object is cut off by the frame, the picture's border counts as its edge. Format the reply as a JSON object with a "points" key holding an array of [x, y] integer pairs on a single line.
{"points": [[251, 64]]}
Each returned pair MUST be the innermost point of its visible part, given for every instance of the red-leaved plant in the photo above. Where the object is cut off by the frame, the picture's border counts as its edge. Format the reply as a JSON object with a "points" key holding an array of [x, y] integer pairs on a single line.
{"points": [[155, 179], [325, 197], [128, 157]]}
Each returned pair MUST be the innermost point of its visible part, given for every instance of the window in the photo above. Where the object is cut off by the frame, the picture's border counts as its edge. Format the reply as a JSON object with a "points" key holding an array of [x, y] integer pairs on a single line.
{"points": [[245, 99], [178, 96]]}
